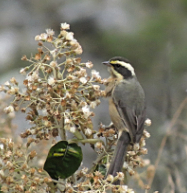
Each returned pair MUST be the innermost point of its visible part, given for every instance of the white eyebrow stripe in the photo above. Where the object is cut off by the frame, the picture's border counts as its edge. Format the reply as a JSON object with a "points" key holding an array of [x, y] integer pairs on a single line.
{"points": [[126, 65]]}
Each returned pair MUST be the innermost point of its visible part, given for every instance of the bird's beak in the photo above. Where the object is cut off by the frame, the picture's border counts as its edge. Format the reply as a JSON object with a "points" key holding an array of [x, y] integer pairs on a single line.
{"points": [[107, 63]]}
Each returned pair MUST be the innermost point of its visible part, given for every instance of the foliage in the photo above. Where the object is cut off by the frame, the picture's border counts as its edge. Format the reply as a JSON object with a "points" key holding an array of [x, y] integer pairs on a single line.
{"points": [[63, 160]]}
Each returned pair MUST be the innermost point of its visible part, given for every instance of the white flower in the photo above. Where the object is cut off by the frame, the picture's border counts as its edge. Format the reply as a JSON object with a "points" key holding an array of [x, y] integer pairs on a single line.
{"points": [[53, 64], [89, 64], [22, 71], [99, 145], [68, 95], [67, 121], [74, 43], [95, 74], [38, 89], [51, 81], [83, 80], [13, 90], [82, 72], [125, 165], [53, 53], [124, 187], [37, 38], [120, 175], [46, 123], [43, 36], [7, 83], [83, 103], [110, 178], [34, 75], [72, 129], [84, 170], [93, 104], [146, 134], [86, 111], [142, 144], [9, 109], [64, 26], [88, 131], [71, 77], [1, 146], [136, 146], [78, 50], [148, 122], [29, 78], [11, 115], [69, 36], [50, 32], [96, 87]]}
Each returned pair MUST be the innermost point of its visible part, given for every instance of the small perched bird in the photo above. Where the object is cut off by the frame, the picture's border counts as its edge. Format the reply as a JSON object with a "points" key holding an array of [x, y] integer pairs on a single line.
{"points": [[126, 107]]}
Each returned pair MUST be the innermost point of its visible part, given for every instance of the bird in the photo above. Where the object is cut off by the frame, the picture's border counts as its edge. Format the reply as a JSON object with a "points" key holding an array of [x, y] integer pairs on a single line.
{"points": [[127, 108]]}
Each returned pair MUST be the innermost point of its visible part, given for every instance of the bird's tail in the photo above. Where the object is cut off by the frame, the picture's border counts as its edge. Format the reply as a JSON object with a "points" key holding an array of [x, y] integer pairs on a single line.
{"points": [[119, 153]]}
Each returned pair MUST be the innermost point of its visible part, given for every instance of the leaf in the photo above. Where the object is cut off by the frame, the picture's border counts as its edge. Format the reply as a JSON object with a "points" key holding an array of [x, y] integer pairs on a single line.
{"points": [[101, 168], [63, 160]]}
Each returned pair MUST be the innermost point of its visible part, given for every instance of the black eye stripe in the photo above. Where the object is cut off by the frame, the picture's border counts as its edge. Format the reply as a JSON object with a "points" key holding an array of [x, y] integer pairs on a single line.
{"points": [[116, 65]]}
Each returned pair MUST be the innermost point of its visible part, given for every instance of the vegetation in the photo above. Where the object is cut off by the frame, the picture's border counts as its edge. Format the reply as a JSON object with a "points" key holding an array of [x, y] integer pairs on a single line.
{"points": [[56, 97]]}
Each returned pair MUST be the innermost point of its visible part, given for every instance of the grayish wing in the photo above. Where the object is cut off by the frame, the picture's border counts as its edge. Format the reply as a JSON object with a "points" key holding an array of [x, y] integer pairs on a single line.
{"points": [[129, 99]]}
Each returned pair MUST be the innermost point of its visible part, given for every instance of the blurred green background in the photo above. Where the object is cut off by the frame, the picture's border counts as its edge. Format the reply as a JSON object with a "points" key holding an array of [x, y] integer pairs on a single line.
{"points": [[151, 34]]}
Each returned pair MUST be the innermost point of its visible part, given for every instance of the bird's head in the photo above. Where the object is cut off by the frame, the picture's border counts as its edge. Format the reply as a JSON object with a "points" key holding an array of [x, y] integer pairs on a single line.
{"points": [[120, 67]]}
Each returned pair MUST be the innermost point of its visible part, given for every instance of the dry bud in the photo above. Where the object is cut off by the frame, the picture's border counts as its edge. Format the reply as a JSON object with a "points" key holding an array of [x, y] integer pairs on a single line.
{"points": [[131, 171], [8, 154], [143, 151], [142, 142], [110, 178], [9, 109], [9, 180], [148, 122], [37, 180], [89, 64], [24, 57], [2, 174], [32, 154], [19, 188], [99, 145], [88, 131], [146, 134], [13, 80], [47, 180], [9, 164], [53, 64], [4, 188], [120, 175]]}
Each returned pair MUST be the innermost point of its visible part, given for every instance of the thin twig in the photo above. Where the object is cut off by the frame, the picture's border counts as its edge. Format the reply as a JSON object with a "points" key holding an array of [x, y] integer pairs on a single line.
{"points": [[162, 145]]}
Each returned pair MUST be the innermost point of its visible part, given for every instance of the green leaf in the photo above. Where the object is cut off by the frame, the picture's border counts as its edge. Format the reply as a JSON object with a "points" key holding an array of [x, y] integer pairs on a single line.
{"points": [[101, 168], [63, 160]]}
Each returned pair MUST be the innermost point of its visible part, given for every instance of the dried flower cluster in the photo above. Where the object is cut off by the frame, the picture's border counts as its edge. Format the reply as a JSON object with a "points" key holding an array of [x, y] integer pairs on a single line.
{"points": [[16, 174], [95, 182], [57, 99], [59, 93], [7, 128], [133, 159]]}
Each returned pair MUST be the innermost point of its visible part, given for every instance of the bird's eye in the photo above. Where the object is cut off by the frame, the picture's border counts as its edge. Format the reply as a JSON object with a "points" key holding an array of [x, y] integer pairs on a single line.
{"points": [[118, 65]]}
